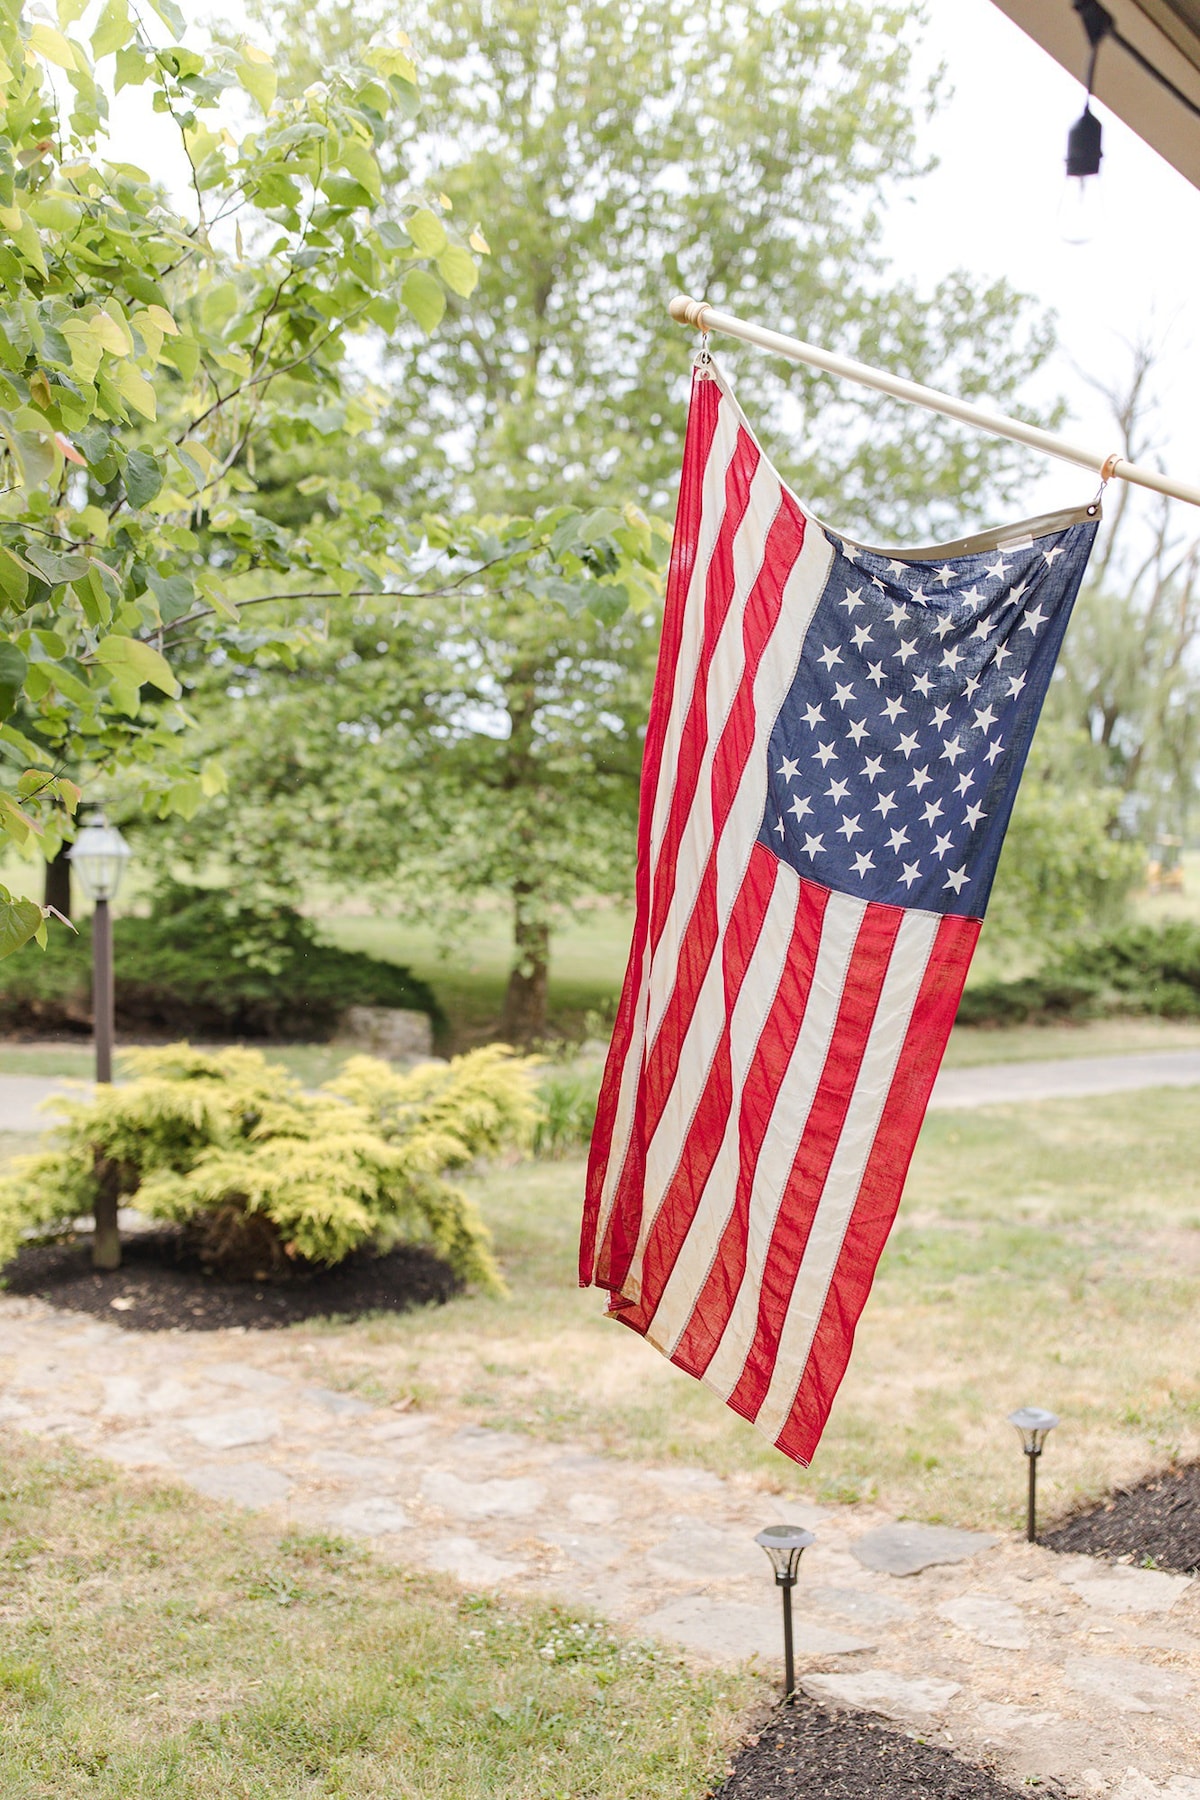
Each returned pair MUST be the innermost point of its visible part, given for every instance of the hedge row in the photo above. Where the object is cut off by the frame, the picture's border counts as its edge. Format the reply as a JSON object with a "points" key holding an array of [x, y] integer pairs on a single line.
{"points": [[207, 965], [1138, 969]]}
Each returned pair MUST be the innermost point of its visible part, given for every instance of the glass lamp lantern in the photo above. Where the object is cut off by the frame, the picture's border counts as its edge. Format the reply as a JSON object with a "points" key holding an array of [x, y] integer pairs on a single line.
{"points": [[98, 856], [1034, 1424], [785, 1545]]}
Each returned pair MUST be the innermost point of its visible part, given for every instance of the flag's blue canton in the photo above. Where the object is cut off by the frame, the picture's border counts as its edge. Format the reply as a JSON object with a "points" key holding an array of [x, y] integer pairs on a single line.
{"points": [[895, 757]]}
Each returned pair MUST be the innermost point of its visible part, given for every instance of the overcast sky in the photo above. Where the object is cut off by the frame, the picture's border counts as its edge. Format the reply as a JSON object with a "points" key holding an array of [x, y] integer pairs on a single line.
{"points": [[992, 206]]}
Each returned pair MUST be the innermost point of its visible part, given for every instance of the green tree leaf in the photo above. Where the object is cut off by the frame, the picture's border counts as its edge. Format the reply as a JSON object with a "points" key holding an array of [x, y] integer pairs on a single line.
{"points": [[19, 921], [427, 232], [457, 269], [143, 477], [257, 75], [424, 297], [132, 662]]}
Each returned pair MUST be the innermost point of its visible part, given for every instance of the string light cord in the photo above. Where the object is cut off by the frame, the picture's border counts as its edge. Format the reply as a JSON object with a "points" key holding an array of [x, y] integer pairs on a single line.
{"points": [[1099, 24]]}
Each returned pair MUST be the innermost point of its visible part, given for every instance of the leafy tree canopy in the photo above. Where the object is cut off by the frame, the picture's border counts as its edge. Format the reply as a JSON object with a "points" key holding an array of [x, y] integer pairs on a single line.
{"points": [[619, 152], [149, 354]]}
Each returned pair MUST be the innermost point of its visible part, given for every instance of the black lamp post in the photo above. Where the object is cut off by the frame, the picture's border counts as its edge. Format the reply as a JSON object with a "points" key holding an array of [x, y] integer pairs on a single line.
{"points": [[785, 1545], [1034, 1425], [98, 856]]}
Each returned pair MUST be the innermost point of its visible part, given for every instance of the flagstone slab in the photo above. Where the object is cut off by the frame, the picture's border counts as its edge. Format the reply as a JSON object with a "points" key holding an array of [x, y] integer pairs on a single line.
{"points": [[470, 1563], [372, 1516], [997, 1623], [232, 1429], [1132, 1687], [859, 1604], [493, 1499], [907, 1549], [351, 1467], [342, 1406], [732, 1631], [138, 1450], [395, 1431], [252, 1484], [1112, 1588], [696, 1548], [593, 1509], [1002, 1719], [245, 1376], [883, 1691], [591, 1549]]}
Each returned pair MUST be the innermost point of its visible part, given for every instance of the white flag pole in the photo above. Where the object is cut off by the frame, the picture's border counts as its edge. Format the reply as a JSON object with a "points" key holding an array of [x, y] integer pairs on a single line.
{"points": [[1109, 466]]}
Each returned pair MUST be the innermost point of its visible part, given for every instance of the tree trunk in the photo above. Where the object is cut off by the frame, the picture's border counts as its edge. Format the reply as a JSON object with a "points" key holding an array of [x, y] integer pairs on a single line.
{"points": [[58, 882], [524, 1017], [106, 1239]]}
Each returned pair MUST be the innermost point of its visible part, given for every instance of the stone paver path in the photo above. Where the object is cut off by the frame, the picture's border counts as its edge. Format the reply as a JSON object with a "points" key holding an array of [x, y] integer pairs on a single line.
{"points": [[1051, 1666]]}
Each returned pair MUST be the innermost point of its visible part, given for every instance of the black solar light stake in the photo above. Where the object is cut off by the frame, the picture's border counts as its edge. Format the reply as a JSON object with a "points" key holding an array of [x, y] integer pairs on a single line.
{"points": [[1035, 1426], [785, 1545]]}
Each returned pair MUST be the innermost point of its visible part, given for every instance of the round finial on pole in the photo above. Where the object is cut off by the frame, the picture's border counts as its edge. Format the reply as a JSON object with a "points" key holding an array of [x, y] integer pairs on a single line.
{"points": [[688, 312]]}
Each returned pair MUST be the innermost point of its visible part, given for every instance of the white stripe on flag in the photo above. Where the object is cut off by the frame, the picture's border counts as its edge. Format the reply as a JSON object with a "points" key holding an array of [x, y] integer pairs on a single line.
{"points": [[776, 671], [901, 986], [725, 673], [793, 1102], [754, 1000]]}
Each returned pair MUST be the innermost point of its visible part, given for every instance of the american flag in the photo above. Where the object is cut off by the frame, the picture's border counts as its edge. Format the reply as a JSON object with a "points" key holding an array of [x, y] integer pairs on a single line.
{"points": [[835, 741]]}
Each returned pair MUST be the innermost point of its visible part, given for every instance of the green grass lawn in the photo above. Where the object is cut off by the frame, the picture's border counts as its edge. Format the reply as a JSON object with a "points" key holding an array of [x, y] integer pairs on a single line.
{"points": [[586, 967], [154, 1644], [1048, 1256]]}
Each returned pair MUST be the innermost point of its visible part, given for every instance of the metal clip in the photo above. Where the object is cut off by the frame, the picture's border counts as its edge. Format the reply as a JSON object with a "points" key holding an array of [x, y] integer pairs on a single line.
{"points": [[1107, 469], [703, 361]]}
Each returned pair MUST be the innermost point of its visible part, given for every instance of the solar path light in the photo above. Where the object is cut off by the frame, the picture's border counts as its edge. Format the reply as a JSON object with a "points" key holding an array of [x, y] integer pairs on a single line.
{"points": [[1034, 1425], [98, 856], [785, 1545]]}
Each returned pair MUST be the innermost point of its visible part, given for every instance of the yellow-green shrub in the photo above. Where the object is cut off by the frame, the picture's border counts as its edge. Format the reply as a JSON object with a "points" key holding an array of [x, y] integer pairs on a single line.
{"points": [[263, 1172]]}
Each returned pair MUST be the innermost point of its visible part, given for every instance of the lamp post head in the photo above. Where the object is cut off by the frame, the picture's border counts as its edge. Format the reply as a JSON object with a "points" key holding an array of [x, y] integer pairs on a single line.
{"points": [[1034, 1425], [785, 1545], [98, 856]]}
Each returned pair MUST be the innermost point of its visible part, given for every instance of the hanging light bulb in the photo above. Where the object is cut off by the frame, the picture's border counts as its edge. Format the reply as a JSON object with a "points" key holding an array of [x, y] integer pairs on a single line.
{"points": [[1080, 210]]}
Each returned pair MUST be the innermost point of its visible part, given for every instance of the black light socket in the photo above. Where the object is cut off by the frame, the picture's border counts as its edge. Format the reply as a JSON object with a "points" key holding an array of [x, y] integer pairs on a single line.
{"points": [[1083, 145]]}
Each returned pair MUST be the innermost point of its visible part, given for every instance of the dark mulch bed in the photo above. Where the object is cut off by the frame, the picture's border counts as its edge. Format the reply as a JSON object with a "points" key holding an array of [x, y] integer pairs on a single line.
{"points": [[167, 1288], [806, 1753], [1158, 1521]]}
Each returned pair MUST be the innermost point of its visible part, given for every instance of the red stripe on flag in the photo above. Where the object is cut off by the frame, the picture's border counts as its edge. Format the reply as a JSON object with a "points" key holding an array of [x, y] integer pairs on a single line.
{"points": [[760, 617], [706, 1129], [694, 737], [882, 1183], [763, 605], [856, 1013], [701, 429], [773, 1052]]}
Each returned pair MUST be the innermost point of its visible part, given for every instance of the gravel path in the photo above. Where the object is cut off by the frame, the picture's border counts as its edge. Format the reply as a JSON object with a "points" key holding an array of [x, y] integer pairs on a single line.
{"points": [[1065, 1079], [1040, 1665]]}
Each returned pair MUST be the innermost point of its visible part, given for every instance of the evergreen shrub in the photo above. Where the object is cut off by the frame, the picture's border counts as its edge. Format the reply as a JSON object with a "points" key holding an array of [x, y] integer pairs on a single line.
{"points": [[268, 1178], [1147, 969], [211, 965]]}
